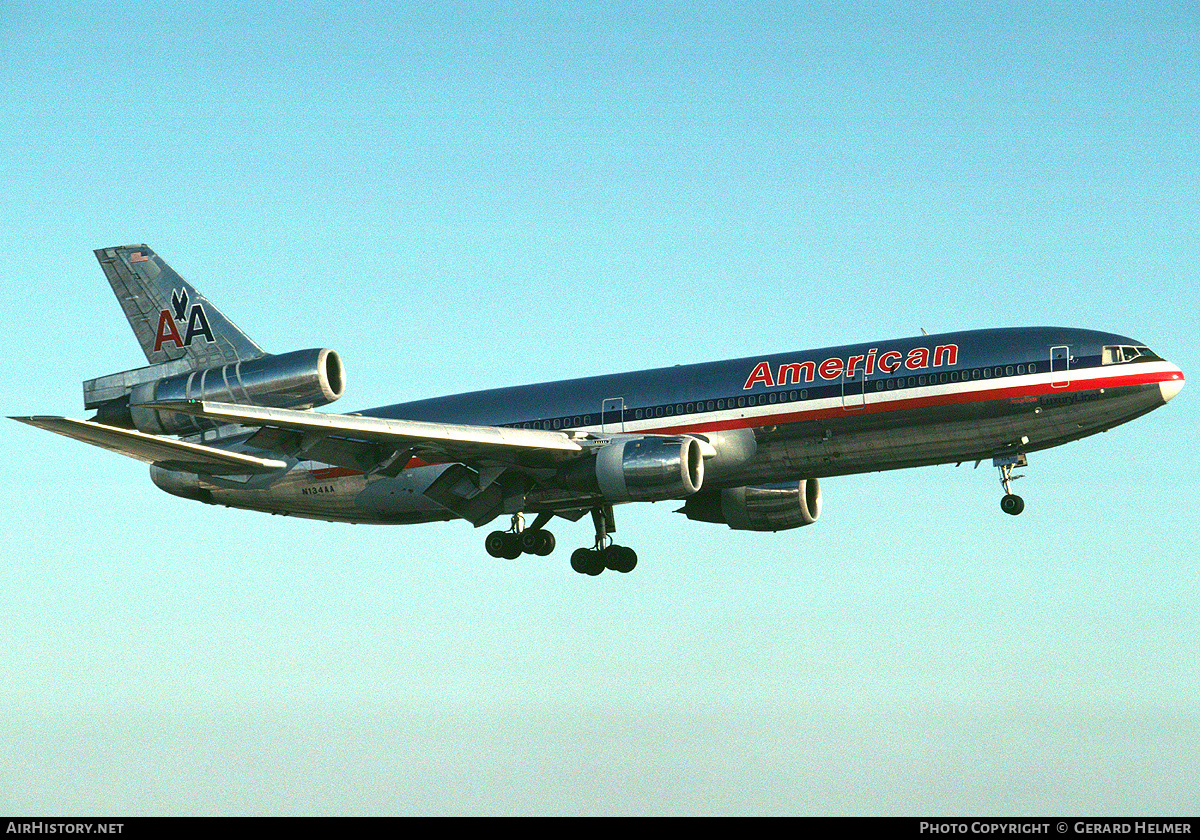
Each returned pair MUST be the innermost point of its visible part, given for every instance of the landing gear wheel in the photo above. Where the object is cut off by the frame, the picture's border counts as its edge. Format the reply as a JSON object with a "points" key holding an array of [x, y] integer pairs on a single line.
{"points": [[619, 558], [512, 546], [587, 562], [1012, 504], [504, 544], [539, 542], [495, 543]]}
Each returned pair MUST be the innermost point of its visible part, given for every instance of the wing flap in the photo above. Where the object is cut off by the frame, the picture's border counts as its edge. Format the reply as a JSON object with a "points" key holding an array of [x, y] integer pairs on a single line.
{"points": [[428, 441], [164, 452]]}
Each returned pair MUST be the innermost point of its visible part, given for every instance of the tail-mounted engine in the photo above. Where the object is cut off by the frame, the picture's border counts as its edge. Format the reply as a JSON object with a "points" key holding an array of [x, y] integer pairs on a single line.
{"points": [[642, 469], [765, 507], [301, 379]]}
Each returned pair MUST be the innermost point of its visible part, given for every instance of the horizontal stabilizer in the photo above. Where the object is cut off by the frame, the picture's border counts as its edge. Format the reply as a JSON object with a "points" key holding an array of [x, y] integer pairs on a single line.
{"points": [[164, 452], [433, 442]]}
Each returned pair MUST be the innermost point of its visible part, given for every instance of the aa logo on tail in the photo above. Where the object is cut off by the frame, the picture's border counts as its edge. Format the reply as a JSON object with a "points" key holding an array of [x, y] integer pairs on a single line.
{"points": [[197, 322]]}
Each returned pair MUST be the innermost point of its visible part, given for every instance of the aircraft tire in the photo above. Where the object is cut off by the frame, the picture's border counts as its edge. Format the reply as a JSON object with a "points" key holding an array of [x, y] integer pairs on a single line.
{"points": [[512, 546], [587, 562], [537, 542], [619, 558], [495, 543], [1012, 504], [626, 559]]}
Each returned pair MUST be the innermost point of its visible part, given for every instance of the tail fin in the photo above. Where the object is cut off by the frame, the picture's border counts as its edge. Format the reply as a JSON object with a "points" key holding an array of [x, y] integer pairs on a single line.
{"points": [[170, 318]]}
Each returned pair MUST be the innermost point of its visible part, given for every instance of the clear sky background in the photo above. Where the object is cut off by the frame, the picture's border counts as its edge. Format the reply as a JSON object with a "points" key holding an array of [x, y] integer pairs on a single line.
{"points": [[464, 195]]}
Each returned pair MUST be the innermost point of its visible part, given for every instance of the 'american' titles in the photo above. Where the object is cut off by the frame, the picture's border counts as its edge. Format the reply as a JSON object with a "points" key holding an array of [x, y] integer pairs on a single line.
{"points": [[794, 373]]}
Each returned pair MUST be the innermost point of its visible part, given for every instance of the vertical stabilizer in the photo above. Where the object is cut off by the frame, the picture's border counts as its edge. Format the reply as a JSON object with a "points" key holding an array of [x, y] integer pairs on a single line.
{"points": [[173, 322]]}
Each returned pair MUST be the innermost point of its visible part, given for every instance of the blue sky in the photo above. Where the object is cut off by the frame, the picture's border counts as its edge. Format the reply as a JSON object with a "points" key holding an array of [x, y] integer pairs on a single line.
{"points": [[457, 196]]}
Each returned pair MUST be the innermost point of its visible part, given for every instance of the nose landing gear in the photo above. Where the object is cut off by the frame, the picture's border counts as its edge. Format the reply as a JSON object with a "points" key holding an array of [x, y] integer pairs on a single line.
{"points": [[1011, 503]]}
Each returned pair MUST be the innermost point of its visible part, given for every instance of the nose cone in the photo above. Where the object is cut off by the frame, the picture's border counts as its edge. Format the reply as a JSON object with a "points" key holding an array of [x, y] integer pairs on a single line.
{"points": [[1171, 387]]}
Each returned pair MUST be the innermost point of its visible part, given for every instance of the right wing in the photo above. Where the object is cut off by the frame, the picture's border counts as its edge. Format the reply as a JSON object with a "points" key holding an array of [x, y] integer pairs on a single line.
{"points": [[164, 452]]}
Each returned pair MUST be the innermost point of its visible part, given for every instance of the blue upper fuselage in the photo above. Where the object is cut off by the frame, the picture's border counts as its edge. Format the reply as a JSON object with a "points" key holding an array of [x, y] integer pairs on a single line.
{"points": [[804, 374]]}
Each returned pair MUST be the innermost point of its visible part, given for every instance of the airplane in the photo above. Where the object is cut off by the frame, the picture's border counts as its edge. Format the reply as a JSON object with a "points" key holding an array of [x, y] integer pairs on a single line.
{"points": [[741, 442]]}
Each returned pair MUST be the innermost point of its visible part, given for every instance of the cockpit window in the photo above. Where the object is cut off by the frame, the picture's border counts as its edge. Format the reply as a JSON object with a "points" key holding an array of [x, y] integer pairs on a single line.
{"points": [[1115, 354]]}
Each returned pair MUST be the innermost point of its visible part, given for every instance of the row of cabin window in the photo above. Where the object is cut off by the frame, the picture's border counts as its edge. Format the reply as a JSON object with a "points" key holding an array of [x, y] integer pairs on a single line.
{"points": [[791, 396], [955, 376], [678, 409]]}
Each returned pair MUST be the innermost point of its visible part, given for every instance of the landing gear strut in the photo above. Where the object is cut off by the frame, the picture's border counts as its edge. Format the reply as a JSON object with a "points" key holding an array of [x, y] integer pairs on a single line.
{"points": [[1011, 503], [605, 554], [518, 539]]}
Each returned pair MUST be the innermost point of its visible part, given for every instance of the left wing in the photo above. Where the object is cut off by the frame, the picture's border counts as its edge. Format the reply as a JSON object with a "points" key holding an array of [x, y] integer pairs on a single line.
{"points": [[431, 442]]}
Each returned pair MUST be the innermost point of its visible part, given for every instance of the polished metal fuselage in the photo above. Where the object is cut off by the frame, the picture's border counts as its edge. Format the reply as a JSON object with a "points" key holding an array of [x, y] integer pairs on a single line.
{"points": [[891, 405]]}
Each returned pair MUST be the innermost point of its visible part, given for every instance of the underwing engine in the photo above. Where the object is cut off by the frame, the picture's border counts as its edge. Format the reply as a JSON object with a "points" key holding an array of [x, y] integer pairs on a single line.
{"points": [[763, 507], [641, 469]]}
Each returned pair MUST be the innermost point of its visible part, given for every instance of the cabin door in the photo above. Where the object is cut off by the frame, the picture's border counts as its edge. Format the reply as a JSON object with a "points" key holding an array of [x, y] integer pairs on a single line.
{"points": [[612, 415], [1060, 366], [854, 390]]}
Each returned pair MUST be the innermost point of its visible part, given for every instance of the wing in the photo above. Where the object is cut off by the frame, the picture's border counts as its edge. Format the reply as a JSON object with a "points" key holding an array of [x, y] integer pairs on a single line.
{"points": [[431, 442], [163, 452]]}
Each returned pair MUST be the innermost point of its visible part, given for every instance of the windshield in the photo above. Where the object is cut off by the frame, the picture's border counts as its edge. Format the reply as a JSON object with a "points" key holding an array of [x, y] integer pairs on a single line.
{"points": [[1121, 353]]}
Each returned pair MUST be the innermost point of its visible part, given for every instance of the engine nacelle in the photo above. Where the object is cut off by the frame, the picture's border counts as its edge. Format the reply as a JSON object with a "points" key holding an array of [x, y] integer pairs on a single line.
{"points": [[764, 507], [642, 469], [301, 379]]}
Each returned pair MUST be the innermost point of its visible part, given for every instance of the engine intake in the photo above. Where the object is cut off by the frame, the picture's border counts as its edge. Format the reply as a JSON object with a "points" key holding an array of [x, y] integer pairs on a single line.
{"points": [[643, 469], [301, 379], [763, 507]]}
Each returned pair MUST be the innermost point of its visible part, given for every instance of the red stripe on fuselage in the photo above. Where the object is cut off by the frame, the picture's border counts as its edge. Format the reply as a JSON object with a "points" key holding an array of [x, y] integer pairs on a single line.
{"points": [[960, 397]]}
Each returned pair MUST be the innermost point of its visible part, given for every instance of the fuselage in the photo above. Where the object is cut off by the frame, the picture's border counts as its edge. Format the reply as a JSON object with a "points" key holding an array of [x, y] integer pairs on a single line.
{"points": [[773, 418]]}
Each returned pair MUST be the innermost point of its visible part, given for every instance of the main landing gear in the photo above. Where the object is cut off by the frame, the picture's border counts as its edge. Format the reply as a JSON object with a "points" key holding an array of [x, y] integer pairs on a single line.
{"points": [[1011, 503], [604, 554], [518, 539]]}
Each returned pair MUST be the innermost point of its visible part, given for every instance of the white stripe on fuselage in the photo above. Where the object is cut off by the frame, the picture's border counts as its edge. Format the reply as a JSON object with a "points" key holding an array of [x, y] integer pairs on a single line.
{"points": [[1041, 384]]}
